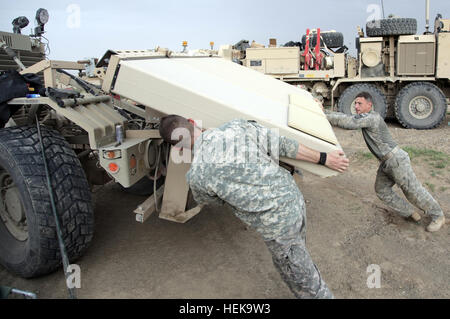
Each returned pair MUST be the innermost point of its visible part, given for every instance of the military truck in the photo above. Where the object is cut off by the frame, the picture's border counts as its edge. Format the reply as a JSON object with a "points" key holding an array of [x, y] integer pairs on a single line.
{"points": [[101, 125], [407, 74]]}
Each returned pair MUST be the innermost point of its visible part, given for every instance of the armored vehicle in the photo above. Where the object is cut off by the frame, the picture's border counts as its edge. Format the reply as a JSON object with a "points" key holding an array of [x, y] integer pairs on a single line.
{"points": [[407, 74]]}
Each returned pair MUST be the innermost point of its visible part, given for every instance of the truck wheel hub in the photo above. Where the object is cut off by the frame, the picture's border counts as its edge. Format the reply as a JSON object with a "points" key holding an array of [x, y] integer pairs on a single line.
{"points": [[353, 107], [13, 206], [11, 209], [421, 107]]}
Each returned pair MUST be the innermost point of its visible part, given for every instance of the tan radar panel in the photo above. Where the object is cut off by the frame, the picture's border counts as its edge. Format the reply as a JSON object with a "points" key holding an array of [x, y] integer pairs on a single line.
{"points": [[309, 118], [214, 91]]}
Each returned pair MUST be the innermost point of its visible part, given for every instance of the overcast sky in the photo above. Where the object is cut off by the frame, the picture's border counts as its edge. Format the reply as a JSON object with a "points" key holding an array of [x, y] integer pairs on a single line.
{"points": [[81, 29]]}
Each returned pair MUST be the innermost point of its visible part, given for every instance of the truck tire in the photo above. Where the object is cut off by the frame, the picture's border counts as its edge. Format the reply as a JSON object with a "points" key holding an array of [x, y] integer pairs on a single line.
{"points": [[28, 240], [293, 44], [331, 39], [346, 102], [420, 105], [391, 26]]}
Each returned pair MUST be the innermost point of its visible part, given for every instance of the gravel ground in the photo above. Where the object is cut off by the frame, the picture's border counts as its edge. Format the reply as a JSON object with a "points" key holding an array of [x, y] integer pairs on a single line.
{"points": [[214, 255]]}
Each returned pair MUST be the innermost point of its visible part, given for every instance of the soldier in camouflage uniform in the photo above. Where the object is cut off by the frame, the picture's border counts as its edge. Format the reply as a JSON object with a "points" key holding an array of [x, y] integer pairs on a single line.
{"points": [[236, 164], [395, 167]]}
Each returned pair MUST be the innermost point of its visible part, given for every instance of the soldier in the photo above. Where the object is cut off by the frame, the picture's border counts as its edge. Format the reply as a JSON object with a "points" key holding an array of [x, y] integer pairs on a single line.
{"points": [[236, 164], [395, 166]]}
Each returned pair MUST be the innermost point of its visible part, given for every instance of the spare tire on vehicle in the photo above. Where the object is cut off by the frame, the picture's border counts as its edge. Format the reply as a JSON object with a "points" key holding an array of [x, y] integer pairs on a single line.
{"points": [[242, 45], [391, 26], [332, 39], [293, 44]]}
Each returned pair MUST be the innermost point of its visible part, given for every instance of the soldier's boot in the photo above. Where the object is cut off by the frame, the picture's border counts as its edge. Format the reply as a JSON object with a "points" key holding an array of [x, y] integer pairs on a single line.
{"points": [[436, 224], [416, 217]]}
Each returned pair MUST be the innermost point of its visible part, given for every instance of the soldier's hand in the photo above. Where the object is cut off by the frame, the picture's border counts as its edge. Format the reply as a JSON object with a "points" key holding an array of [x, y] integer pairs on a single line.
{"points": [[336, 160]]}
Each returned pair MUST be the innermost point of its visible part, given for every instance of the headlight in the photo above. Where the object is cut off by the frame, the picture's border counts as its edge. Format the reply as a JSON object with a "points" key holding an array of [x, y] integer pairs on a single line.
{"points": [[42, 16], [19, 23]]}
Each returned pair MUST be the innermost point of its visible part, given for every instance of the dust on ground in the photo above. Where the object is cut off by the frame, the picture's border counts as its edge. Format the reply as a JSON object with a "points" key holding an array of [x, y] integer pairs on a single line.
{"points": [[214, 255]]}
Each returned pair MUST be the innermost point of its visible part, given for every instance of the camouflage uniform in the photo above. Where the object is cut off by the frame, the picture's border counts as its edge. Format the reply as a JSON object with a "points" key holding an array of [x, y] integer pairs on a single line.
{"points": [[236, 164], [395, 167]]}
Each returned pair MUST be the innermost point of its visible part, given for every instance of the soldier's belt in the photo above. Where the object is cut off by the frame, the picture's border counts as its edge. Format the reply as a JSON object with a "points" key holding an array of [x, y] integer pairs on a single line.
{"points": [[390, 154]]}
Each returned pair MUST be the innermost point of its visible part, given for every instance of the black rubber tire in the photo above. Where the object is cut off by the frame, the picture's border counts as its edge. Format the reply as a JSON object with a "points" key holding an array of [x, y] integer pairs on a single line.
{"points": [[242, 45], [293, 44], [21, 158], [349, 95], [391, 26], [416, 89], [331, 39]]}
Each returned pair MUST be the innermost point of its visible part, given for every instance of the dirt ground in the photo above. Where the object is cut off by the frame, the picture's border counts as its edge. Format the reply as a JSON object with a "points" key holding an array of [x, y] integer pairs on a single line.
{"points": [[215, 256]]}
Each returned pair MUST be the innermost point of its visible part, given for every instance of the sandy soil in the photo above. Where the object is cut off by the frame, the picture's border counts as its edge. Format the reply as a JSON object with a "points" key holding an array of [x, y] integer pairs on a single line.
{"points": [[215, 256]]}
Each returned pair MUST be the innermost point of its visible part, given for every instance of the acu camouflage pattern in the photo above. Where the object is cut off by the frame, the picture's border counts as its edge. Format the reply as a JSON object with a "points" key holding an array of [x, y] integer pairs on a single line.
{"points": [[237, 165], [395, 170], [398, 170], [374, 130]]}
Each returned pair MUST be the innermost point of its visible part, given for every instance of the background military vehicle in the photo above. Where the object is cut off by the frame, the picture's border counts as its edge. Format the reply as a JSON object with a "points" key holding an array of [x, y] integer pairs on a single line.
{"points": [[102, 124], [408, 74]]}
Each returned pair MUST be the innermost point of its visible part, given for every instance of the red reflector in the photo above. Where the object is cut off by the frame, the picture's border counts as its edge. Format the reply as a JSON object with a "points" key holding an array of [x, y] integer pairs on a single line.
{"points": [[113, 167], [132, 161]]}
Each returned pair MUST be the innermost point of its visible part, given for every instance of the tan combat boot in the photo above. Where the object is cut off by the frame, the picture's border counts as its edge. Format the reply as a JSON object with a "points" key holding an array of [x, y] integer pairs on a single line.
{"points": [[436, 224], [416, 216]]}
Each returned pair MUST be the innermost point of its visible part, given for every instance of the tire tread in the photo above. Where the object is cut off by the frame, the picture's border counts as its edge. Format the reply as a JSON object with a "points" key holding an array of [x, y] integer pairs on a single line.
{"points": [[71, 192]]}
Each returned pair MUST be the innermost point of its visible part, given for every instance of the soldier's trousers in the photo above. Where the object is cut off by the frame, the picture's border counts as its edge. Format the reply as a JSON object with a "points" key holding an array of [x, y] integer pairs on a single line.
{"points": [[284, 232], [398, 170]]}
